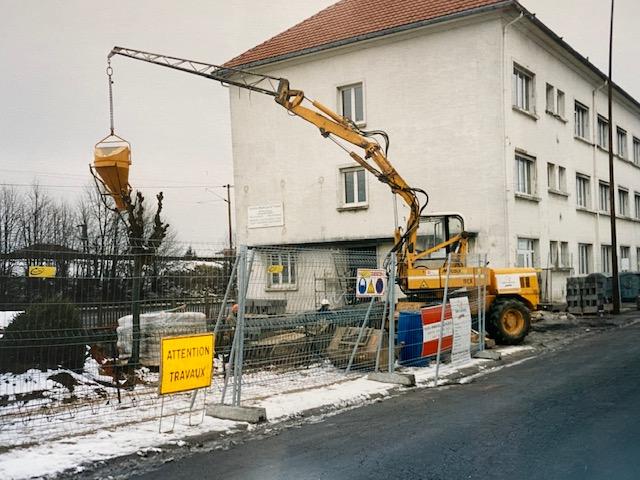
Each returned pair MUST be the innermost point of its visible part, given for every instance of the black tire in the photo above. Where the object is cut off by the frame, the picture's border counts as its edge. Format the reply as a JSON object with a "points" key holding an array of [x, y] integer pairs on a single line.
{"points": [[508, 321]]}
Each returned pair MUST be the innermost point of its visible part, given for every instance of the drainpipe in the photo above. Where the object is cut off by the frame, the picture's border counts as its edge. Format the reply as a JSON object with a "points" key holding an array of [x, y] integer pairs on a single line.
{"points": [[505, 112], [594, 137]]}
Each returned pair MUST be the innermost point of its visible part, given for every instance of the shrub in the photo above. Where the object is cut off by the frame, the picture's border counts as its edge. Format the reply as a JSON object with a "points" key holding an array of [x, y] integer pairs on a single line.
{"points": [[47, 335]]}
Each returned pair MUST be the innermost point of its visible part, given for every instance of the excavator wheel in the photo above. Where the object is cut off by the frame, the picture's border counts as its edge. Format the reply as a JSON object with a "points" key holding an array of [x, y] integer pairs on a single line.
{"points": [[508, 321]]}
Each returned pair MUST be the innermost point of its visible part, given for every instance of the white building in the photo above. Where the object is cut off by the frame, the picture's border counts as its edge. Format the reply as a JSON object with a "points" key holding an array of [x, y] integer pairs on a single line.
{"points": [[488, 110]]}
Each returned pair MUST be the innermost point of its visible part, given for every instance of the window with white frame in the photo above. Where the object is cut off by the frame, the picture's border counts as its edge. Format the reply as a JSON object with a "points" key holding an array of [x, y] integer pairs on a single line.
{"points": [[603, 197], [525, 174], [636, 151], [352, 102], [622, 142], [565, 261], [562, 179], [625, 258], [554, 257], [583, 187], [551, 99], [522, 88], [354, 182], [584, 258], [560, 104], [623, 202], [551, 176], [603, 132], [636, 201], [581, 119], [282, 270], [605, 258], [556, 177], [526, 253]]}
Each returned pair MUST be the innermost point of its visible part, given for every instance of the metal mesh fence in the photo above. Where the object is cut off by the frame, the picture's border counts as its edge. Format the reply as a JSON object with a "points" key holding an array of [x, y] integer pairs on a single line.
{"points": [[70, 362]]}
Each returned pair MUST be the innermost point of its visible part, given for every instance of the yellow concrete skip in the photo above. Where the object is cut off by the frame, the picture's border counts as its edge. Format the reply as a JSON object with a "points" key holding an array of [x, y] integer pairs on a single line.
{"points": [[186, 362]]}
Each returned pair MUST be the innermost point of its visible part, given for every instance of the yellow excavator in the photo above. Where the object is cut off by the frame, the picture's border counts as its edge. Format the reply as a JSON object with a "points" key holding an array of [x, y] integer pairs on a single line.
{"points": [[431, 249]]}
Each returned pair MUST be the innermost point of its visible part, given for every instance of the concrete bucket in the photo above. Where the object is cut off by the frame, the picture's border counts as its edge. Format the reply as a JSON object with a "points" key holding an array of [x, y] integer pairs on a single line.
{"points": [[112, 158]]}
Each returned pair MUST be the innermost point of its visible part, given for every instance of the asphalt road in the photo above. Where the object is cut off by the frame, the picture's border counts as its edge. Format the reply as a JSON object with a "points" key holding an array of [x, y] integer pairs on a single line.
{"points": [[569, 414]]}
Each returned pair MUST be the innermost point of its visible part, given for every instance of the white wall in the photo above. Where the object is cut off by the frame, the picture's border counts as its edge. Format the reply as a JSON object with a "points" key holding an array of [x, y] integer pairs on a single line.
{"points": [[433, 92]]}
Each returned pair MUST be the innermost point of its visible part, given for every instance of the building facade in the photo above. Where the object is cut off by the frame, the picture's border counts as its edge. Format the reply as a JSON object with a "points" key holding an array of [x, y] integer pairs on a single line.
{"points": [[487, 110]]}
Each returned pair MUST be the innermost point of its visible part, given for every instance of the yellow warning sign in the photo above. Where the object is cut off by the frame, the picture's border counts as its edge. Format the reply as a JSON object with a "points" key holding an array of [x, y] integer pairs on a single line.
{"points": [[370, 289], [275, 268], [186, 362], [42, 271]]}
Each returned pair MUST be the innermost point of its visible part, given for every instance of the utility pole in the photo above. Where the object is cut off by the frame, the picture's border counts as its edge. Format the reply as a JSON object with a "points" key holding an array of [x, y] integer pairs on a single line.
{"points": [[615, 284], [228, 187]]}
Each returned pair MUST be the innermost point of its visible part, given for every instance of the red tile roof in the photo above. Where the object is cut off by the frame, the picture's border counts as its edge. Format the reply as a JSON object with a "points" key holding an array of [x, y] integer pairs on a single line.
{"points": [[349, 19]]}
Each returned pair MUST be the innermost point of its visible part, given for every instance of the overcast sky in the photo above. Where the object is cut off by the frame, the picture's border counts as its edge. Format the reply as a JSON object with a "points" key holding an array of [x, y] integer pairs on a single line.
{"points": [[54, 101]]}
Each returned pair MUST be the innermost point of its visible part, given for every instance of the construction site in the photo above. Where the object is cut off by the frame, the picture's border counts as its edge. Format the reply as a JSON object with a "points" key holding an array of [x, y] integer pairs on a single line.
{"points": [[402, 204]]}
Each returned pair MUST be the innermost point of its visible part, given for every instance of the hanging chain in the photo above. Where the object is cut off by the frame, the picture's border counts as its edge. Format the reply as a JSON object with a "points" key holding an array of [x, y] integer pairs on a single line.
{"points": [[110, 80]]}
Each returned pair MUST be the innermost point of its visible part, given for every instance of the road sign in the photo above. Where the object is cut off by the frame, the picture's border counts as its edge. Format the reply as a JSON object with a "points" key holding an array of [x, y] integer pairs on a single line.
{"points": [[371, 282], [431, 330], [186, 362], [42, 271], [461, 313]]}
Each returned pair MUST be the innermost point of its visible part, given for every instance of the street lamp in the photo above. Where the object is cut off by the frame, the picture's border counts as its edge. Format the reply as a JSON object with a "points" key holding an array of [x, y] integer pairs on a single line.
{"points": [[615, 284]]}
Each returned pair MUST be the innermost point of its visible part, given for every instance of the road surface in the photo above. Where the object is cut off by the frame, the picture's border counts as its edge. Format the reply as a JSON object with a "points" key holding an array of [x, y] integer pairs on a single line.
{"points": [[569, 414]]}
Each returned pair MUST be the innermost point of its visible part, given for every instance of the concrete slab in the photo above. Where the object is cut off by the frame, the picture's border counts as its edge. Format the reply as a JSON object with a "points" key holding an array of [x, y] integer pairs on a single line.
{"points": [[406, 379], [239, 414], [488, 355]]}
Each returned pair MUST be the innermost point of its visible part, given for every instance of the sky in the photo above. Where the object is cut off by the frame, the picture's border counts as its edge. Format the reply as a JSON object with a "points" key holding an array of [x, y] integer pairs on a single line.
{"points": [[53, 89]]}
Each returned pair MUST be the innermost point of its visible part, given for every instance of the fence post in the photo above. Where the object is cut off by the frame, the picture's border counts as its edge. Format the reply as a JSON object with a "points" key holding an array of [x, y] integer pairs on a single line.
{"points": [[135, 310], [223, 307], [392, 310], [360, 333], [442, 315]]}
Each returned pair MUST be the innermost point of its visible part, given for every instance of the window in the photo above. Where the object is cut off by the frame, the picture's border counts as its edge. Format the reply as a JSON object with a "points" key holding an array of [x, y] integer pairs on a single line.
{"points": [[556, 178], [560, 100], [603, 190], [551, 176], [584, 258], [522, 88], [603, 132], [551, 99], [623, 202], [352, 102], [583, 185], [525, 255], [562, 179], [605, 258], [636, 201], [622, 142], [636, 151], [581, 118], [525, 174], [564, 254], [625, 259], [281, 270], [553, 254], [355, 187], [637, 259]]}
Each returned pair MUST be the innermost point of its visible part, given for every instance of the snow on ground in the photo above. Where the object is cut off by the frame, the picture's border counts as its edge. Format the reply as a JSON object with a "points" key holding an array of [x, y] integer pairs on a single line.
{"points": [[6, 318], [53, 457], [72, 451]]}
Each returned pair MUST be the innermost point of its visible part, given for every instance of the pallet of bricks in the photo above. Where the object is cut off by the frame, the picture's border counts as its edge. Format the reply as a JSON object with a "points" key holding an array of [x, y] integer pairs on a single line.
{"points": [[589, 295]]}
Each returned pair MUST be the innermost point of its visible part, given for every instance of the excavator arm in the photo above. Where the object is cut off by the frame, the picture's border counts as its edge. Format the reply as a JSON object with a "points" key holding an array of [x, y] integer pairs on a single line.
{"points": [[331, 124]]}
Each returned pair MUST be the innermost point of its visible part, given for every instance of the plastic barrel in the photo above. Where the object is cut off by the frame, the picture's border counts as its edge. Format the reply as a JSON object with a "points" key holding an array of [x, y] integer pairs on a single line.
{"points": [[410, 337]]}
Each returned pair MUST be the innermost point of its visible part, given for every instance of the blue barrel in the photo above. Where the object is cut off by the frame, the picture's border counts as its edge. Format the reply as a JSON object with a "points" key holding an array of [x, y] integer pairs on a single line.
{"points": [[410, 337]]}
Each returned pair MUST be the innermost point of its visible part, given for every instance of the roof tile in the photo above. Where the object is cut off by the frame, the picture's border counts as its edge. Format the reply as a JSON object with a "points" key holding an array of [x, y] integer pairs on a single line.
{"points": [[353, 18]]}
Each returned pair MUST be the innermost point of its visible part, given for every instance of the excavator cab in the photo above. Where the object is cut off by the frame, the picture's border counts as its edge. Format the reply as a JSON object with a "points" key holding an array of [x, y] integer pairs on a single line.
{"points": [[438, 236]]}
